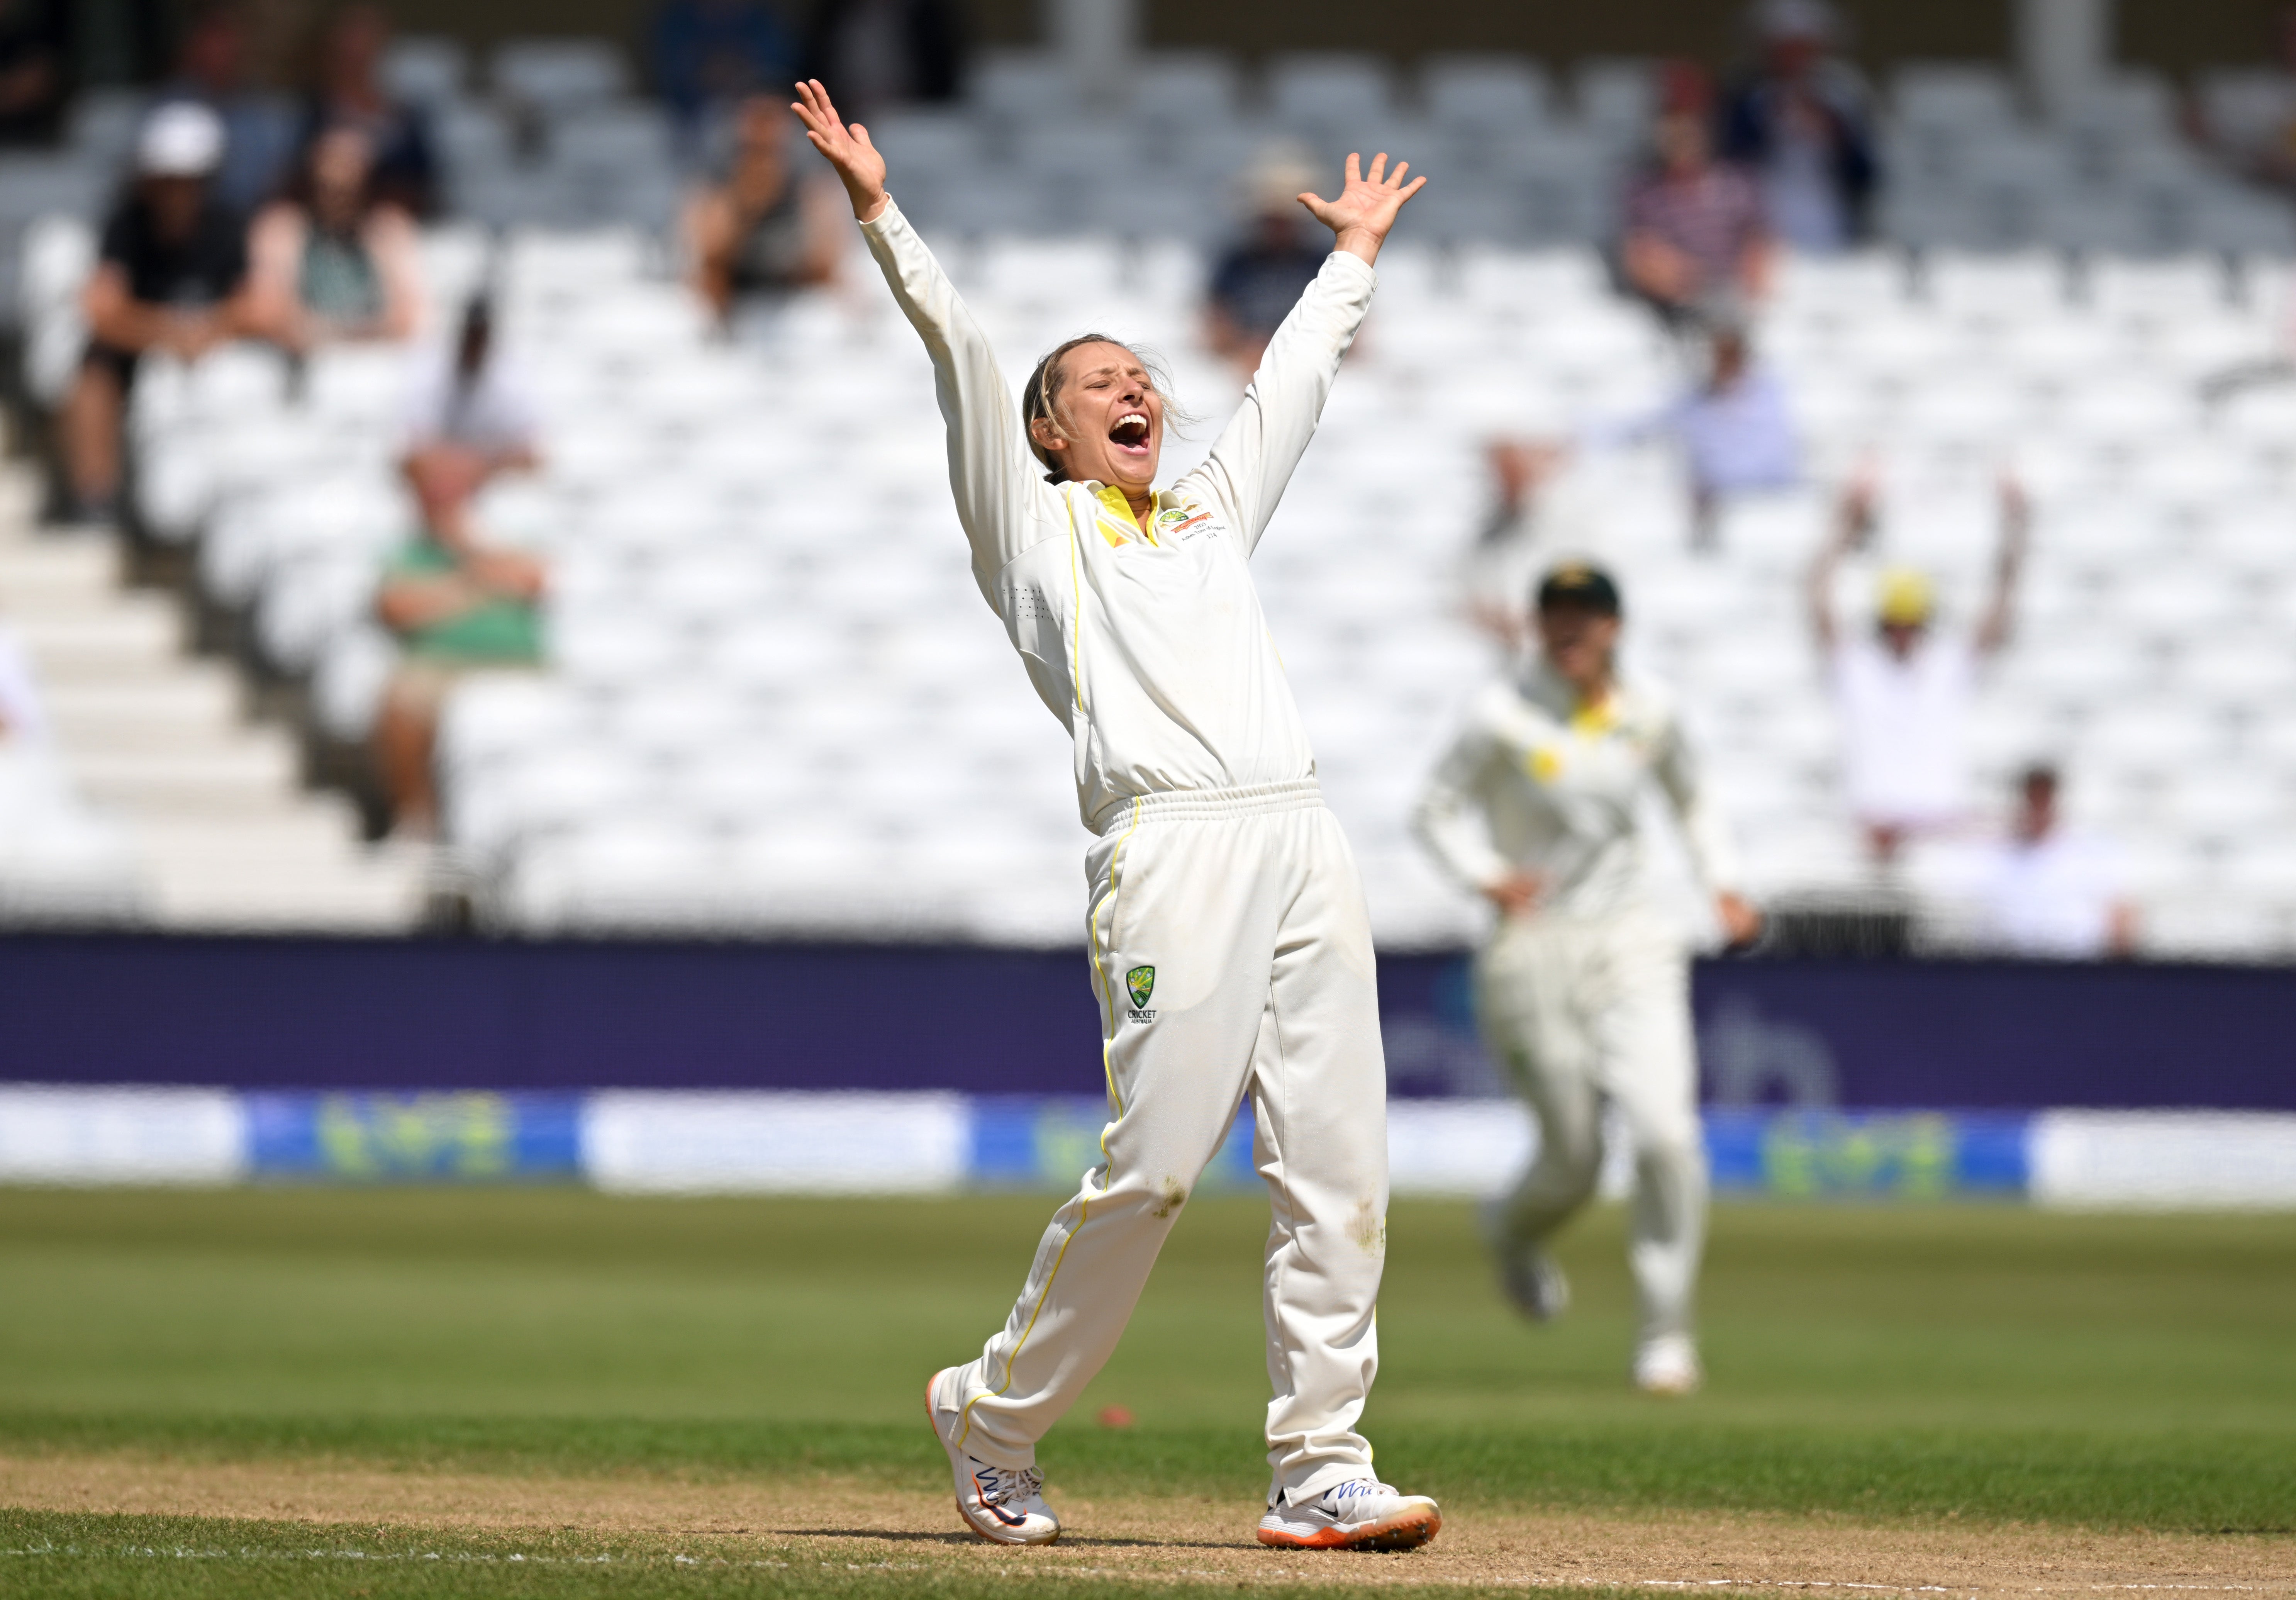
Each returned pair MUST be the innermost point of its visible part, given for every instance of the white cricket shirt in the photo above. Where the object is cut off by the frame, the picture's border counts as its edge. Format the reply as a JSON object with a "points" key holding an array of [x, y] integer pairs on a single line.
{"points": [[1535, 783], [1149, 647], [1904, 726]]}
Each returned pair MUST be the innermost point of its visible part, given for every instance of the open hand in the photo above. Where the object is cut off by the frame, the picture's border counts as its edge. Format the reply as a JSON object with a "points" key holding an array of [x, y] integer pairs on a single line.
{"points": [[859, 166], [1367, 206]]}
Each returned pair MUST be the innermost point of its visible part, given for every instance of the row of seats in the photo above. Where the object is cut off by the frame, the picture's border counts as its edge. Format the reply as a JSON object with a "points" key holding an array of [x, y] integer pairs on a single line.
{"points": [[778, 703]]}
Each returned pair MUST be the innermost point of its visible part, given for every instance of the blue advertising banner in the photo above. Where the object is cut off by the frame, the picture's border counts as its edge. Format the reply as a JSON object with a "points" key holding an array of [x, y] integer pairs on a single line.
{"points": [[419, 1015], [1833, 1155], [468, 1137], [1027, 1142]]}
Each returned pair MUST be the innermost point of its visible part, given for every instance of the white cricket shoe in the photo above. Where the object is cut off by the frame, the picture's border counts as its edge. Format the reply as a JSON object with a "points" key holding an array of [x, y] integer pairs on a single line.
{"points": [[1667, 1365], [1003, 1505], [1365, 1515]]}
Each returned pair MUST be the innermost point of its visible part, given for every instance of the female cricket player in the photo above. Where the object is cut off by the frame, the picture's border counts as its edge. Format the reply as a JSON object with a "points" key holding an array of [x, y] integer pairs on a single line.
{"points": [[1583, 990], [1226, 927]]}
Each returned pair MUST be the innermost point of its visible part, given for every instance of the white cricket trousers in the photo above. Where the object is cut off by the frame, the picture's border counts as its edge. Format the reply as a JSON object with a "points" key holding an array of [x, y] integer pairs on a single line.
{"points": [[1584, 1010], [1246, 905]]}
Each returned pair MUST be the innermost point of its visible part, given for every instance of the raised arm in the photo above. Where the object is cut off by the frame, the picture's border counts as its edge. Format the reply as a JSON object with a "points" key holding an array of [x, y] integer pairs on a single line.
{"points": [[1853, 520], [1001, 496], [2008, 563], [1253, 460]]}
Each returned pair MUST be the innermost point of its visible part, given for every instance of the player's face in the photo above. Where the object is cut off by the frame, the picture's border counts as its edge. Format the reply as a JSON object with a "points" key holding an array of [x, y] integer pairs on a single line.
{"points": [[1902, 638], [1111, 419], [1578, 643]]}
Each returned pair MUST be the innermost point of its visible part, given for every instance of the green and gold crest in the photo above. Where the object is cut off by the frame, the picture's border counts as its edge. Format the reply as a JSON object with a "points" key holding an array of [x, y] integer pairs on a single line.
{"points": [[1140, 982]]}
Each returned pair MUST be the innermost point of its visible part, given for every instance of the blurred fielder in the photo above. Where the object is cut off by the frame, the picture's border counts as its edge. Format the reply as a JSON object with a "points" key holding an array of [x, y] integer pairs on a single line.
{"points": [[1584, 988]]}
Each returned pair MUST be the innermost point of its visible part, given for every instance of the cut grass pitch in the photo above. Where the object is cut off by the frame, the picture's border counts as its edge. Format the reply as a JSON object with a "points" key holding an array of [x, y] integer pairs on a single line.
{"points": [[1905, 1366]]}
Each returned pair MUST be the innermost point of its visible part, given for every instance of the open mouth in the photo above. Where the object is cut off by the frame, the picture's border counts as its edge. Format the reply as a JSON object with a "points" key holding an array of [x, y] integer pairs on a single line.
{"points": [[1130, 432]]}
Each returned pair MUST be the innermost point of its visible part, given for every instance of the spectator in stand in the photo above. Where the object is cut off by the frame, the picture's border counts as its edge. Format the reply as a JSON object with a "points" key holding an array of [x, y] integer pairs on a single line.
{"points": [[1802, 124], [171, 276], [2047, 890], [709, 54], [330, 260], [23, 722], [34, 43], [347, 90], [767, 230], [1903, 690], [2263, 147], [1536, 510], [259, 130], [457, 606], [1694, 226], [880, 54], [1260, 277], [1734, 426]]}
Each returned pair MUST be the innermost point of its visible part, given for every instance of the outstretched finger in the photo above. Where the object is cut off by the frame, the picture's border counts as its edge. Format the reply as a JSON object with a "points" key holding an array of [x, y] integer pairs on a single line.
{"points": [[1394, 178], [1378, 167], [823, 110], [1355, 167], [1410, 189]]}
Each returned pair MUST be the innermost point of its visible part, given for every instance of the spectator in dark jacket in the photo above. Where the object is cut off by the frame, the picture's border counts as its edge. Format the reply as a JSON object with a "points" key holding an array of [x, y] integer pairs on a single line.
{"points": [[349, 93], [34, 40], [1799, 122], [712, 54], [876, 55]]}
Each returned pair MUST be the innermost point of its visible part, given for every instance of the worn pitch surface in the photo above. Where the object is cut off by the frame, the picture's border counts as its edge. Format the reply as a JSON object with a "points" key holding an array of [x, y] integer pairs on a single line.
{"points": [[228, 1392]]}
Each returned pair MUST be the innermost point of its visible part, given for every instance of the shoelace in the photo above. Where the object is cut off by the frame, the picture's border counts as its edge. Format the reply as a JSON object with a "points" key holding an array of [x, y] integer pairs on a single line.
{"points": [[1360, 1489], [1002, 1485]]}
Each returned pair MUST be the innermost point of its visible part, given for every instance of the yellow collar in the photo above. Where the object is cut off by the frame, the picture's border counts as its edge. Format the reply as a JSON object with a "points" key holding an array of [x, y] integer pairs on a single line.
{"points": [[1118, 525]]}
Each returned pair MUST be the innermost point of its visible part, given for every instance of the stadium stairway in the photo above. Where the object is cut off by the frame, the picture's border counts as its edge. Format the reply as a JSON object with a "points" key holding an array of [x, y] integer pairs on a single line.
{"points": [[219, 830]]}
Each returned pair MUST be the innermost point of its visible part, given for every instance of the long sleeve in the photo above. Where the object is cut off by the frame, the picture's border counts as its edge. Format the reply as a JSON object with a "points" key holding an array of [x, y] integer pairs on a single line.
{"points": [[1250, 466], [1002, 499], [1713, 854], [1449, 820]]}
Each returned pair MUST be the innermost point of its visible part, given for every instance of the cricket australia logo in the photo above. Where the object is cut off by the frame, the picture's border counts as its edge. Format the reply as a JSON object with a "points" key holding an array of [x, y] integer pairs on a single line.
{"points": [[1140, 983]]}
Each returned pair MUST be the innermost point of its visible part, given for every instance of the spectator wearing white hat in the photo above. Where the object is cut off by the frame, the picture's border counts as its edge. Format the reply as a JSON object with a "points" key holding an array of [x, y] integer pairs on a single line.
{"points": [[171, 276]]}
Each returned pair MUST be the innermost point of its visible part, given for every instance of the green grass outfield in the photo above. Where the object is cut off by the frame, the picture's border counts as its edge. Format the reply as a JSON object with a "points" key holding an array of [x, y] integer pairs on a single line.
{"points": [[1983, 1363]]}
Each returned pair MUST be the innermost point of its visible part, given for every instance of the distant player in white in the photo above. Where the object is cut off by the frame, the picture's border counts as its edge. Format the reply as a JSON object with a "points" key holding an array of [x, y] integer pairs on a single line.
{"points": [[1584, 988], [1229, 945]]}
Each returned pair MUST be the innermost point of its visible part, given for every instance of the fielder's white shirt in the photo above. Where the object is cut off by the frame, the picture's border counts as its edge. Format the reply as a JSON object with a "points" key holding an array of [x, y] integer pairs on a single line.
{"points": [[1149, 648], [1903, 725], [1535, 783]]}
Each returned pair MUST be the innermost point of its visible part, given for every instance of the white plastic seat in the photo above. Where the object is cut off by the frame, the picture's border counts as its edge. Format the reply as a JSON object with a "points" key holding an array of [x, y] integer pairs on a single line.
{"points": [[1334, 89], [424, 69], [1490, 96], [551, 790], [491, 721], [2153, 741], [616, 645], [559, 75], [626, 875]]}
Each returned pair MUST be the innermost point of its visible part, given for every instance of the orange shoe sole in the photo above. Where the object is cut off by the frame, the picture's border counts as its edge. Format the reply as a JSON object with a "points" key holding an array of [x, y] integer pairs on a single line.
{"points": [[1406, 1531]]}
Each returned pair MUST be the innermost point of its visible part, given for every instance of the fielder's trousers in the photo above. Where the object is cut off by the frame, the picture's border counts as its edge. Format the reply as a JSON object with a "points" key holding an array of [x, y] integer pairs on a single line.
{"points": [[1583, 1010], [1232, 956]]}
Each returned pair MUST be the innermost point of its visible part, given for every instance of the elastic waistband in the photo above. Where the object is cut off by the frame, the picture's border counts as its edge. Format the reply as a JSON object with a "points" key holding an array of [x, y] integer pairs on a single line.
{"points": [[1202, 805]]}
